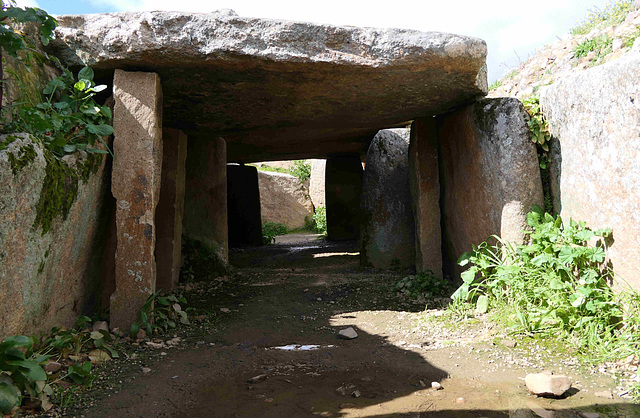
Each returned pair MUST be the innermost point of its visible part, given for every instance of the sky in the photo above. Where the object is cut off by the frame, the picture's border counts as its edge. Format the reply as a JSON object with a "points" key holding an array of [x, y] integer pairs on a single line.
{"points": [[513, 29]]}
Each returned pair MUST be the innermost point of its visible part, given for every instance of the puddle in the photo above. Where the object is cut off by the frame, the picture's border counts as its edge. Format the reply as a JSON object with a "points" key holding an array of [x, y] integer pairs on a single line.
{"points": [[298, 347]]}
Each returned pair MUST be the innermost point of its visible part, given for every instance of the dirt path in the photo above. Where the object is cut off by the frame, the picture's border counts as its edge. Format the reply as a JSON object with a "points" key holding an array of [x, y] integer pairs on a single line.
{"points": [[304, 293]]}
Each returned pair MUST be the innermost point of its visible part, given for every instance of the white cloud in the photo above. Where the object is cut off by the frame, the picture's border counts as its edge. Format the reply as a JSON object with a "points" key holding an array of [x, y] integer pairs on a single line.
{"points": [[27, 3]]}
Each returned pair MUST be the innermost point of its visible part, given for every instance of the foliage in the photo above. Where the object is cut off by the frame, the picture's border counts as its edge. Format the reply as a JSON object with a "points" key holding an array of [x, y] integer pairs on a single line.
{"points": [[630, 40], [602, 45], [495, 85], [68, 119], [65, 342], [537, 123], [423, 285], [301, 169], [160, 313], [200, 261], [612, 14], [21, 373], [272, 229], [319, 218], [557, 284], [12, 41]]}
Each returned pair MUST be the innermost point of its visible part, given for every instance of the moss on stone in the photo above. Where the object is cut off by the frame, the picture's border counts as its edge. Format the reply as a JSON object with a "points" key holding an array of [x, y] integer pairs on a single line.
{"points": [[59, 191], [26, 155], [7, 141], [90, 167]]}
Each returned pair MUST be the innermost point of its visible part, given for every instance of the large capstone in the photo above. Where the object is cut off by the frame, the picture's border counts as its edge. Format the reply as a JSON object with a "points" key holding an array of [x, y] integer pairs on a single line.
{"points": [[278, 89]]}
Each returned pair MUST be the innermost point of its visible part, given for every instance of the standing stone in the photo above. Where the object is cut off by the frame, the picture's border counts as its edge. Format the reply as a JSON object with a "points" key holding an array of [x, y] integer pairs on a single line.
{"points": [[205, 206], [137, 147], [316, 182], [170, 209], [387, 232], [595, 118], [243, 206], [284, 200], [490, 176], [425, 195], [343, 188]]}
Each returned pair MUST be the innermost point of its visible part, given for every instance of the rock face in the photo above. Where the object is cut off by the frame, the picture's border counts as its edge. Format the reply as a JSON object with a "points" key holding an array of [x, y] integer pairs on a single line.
{"points": [[316, 183], [387, 232], [595, 117], [489, 173], [284, 199], [278, 90], [424, 180], [243, 206], [343, 187], [49, 278]]}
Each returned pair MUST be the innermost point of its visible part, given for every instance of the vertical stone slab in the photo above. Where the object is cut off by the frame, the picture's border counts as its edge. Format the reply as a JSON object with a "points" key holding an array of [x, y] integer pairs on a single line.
{"points": [[343, 189], [135, 184], [170, 209], [594, 117], [424, 180], [316, 182], [205, 211], [387, 231], [243, 203], [490, 176]]}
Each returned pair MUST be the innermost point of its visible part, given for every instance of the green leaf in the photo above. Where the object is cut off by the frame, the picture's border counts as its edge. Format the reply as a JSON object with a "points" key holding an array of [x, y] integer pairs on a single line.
{"points": [[86, 74], [469, 275], [100, 130], [567, 254], [465, 258], [69, 148], [482, 304], [30, 369], [10, 397], [96, 335], [20, 341]]}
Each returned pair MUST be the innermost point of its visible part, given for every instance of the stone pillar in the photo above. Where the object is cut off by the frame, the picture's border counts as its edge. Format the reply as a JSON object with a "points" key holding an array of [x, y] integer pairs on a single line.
{"points": [[425, 195], [316, 182], [387, 231], [243, 203], [205, 211], [343, 188], [135, 184], [170, 209], [490, 176]]}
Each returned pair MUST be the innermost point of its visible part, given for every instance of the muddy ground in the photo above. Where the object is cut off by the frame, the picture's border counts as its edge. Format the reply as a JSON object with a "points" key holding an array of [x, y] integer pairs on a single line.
{"points": [[302, 291]]}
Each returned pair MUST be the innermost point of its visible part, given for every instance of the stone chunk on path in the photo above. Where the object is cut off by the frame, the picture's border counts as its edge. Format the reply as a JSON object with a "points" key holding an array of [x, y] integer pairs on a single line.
{"points": [[547, 385], [348, 333]]}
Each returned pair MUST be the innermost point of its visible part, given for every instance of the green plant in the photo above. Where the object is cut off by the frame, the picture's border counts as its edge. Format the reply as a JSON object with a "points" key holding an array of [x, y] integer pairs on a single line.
{"points": [[160, 313], [272, 229], [612, 14], [423, 285], [64, 342], [602, 45], [301, 169], [630, 40], [319, 218], [21, 373], [80, 373], [557, 284], [68, 119], [13, 41], [537, 123], [495, 85]]}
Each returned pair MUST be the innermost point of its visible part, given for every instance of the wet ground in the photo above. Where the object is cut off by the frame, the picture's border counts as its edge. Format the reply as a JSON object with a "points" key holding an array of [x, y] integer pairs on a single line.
{"points": [[245, 359]]}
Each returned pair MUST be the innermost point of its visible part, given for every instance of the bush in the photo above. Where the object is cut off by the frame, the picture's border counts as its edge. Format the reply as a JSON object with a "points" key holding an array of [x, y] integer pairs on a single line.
{"points": [[556, 284], [423, 285], [301, 169], [319, 218], [272, 229]]}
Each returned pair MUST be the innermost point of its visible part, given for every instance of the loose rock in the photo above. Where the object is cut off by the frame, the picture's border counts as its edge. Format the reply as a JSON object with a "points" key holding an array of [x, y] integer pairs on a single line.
{"points": [[257, 379], [348, 333], [101, 325], [547, 385]]}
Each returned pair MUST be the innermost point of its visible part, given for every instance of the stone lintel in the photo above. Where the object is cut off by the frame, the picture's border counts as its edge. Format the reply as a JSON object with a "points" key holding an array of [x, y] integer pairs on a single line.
{"points": [[136, 174], [424, 180], [170, 209]]}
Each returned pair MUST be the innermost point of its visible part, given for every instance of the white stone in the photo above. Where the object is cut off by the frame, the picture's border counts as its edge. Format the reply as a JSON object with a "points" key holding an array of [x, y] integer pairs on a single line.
{"points": [[542, 384], [348, 333]]}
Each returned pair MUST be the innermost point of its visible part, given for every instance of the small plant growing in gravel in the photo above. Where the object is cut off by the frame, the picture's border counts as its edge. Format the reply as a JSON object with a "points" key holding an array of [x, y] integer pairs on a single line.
{"points": [[160, 313], [424, 285], [602, 45], [612, 14]]}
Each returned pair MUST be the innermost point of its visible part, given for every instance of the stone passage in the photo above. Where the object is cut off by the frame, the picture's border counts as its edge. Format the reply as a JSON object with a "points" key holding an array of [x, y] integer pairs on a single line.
{"points": [[489, 173], [387, 231], [137, 165], [343, 188], [243, 203]]}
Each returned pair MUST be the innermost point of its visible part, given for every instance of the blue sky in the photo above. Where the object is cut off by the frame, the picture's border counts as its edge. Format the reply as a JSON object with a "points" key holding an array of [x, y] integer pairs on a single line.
{"points": [[513, 29]]}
